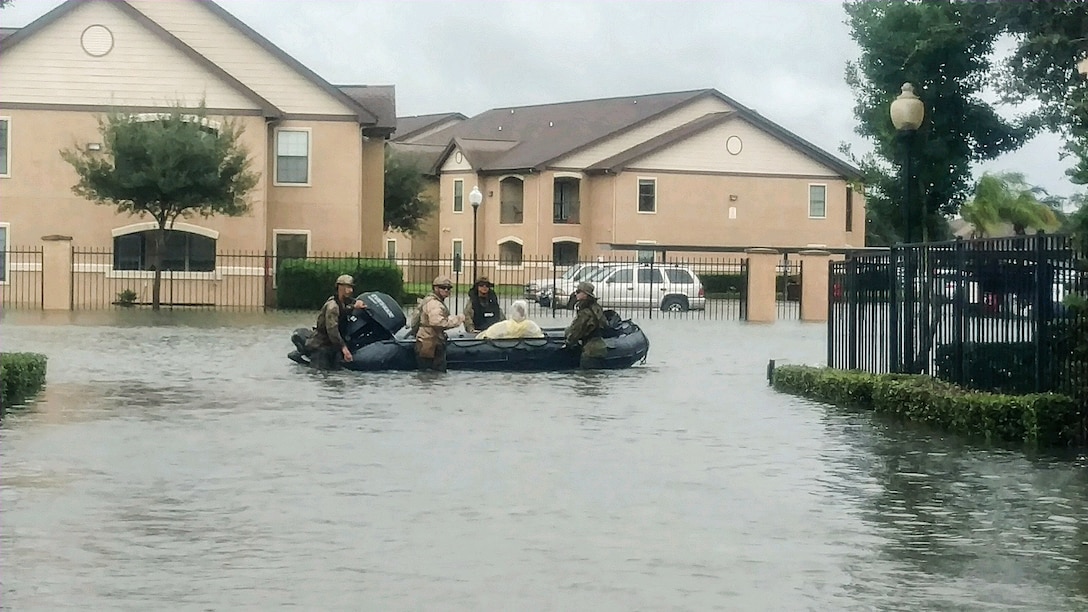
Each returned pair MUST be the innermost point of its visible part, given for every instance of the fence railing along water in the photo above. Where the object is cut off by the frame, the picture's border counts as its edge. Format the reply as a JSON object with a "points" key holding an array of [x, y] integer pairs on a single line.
{"points": [[21, 277], [987, 314]]}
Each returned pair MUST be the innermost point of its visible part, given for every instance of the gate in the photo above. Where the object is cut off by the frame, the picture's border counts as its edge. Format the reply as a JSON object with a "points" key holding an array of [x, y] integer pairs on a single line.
{"points": [[21, 281]]}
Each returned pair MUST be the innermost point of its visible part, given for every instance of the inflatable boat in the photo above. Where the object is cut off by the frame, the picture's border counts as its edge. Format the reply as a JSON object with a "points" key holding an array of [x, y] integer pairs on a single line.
{"points": [[379, 340]]}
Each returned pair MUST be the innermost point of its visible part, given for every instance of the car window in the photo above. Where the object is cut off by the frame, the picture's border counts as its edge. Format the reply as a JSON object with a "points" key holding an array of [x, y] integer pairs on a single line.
{"points": [[676, 275], [585, 272], [650, 276], [623, 275]]}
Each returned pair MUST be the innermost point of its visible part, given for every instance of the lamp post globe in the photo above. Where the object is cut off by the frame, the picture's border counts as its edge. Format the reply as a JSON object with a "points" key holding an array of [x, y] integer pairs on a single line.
{"points": [[475, 198], [907, 113]]}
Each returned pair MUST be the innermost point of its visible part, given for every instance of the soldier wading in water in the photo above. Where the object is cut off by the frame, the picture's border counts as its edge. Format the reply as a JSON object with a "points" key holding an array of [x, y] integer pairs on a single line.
{"points": [[326, 346], [587, 328], [434, 320]]}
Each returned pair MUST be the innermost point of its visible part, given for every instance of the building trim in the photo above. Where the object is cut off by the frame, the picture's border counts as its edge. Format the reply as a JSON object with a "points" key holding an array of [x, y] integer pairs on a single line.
{"points": [[103, 108], [153, 225]]}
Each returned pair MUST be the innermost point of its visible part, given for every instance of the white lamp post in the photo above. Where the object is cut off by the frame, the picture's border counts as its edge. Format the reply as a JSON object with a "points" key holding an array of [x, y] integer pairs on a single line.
{"points": [[907, 113], [475, 198]]}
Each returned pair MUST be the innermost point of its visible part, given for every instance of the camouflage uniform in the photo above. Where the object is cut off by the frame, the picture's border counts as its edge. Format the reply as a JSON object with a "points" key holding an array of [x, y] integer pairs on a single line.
{"points": [[585, 331], [325, 345], [434, 320]]}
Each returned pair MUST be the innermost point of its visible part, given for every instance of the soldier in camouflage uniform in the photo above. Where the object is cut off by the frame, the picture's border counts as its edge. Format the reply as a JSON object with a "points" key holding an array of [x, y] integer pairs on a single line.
{"points": [[587, 327], [326, 346], [434, 320]]}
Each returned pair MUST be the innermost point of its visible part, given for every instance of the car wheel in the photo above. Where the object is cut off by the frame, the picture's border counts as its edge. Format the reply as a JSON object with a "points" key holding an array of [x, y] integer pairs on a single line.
{"points": [[674, 304]]}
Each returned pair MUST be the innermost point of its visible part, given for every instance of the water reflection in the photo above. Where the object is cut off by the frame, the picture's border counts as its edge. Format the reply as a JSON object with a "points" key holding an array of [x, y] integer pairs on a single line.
{"points": [[186, 463]]}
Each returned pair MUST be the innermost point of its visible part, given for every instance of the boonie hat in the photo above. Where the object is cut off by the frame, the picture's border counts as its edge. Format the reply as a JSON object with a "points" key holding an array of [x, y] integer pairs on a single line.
{"points": [[483, 280], [586, 288], [345, 279], [442, 281]]}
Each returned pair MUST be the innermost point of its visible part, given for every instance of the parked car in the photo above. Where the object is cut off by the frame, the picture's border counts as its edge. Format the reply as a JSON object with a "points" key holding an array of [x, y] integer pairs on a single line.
{"points": [[576, 273], [670, 287], [565, 285]]}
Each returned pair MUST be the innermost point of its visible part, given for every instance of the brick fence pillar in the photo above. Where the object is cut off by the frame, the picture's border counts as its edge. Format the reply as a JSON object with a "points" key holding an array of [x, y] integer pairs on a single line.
{"points": [[762, 276], [814, 280], [57, 272]]}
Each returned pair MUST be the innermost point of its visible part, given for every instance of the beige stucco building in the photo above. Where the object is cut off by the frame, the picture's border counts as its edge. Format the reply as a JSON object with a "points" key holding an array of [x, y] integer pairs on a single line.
{"points": [[679, 171], [318, 147]]}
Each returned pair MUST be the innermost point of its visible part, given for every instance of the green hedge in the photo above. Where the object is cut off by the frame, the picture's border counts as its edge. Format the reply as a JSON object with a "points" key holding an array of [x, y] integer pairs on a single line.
{"points": [[1003, 367], [1041, 418], [306, 284], [23, 375]]}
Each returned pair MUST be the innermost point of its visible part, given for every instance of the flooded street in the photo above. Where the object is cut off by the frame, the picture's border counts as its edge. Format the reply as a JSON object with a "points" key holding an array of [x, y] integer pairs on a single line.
{"points": [[182, 462]]}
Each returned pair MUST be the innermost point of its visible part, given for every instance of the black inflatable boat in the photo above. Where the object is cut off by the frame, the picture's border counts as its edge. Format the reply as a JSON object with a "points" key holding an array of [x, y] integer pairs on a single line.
{"points": [[379, 340]]}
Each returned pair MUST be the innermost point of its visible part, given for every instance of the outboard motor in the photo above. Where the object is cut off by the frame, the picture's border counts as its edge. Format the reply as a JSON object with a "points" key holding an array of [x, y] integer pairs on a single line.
{"points": [[381, 318]]}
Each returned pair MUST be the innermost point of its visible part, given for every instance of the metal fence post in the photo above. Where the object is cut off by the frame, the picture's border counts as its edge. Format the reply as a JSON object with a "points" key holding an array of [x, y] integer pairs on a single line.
{"points": [[1041, 309], [894, 362], [958, 310]]}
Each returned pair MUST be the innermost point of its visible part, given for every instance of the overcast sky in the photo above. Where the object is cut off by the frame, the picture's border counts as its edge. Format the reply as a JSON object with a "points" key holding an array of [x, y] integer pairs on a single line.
{"points": [[785, 59]]}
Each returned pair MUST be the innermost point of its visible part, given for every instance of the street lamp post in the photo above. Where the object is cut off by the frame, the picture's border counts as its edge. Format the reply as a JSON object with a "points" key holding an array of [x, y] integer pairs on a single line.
{"points": [[907, 113], [475, 198]]}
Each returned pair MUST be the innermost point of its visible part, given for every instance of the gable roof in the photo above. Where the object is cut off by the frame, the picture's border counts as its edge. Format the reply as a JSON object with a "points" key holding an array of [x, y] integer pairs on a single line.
{"points": [[364, 115], [661, 141], [407, 127], [543, 134], [381, 100], [5, 32]]}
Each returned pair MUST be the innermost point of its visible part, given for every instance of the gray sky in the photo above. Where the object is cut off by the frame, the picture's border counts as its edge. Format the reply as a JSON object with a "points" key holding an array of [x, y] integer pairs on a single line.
{"points": [[786, 59]]}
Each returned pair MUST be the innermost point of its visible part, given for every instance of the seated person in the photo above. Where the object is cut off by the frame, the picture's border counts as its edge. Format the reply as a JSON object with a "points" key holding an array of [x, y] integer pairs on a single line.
{"points": [[517, 325]]}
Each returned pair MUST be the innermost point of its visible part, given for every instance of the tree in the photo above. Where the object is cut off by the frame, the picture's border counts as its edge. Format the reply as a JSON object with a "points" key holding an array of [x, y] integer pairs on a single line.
{"points": [[1007, 198], [406, 203], [173, 165], [944, 49]]}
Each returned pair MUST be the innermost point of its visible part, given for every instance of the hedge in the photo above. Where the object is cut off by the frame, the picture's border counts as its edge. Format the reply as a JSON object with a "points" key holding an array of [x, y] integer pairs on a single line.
{"points": [[306, 284], [22, 375], [1044, 419]]}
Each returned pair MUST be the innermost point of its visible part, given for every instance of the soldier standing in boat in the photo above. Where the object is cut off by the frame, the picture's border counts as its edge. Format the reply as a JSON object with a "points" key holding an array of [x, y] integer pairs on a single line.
{"points": [[587, 328], [434, 320], [326, 346], [482, 309]]}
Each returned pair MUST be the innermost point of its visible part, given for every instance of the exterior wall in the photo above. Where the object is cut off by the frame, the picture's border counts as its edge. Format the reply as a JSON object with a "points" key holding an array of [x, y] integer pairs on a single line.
{"points": [[625, 141], [140, 70], [240, 56], [37, 199], [371, 198]]}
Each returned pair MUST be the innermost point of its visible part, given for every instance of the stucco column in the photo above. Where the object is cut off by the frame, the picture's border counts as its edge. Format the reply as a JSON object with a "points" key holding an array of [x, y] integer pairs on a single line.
{"points": [[814, 279], [57, 272], [762, 269]]}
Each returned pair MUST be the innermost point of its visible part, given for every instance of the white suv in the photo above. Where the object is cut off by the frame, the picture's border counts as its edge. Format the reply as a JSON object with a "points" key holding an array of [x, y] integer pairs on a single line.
{"points": [[670, 287], [563, 285]]}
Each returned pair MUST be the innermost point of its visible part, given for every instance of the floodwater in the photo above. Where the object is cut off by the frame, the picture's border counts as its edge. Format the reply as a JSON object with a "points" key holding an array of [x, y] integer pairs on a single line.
{"points": [[181, 462]]}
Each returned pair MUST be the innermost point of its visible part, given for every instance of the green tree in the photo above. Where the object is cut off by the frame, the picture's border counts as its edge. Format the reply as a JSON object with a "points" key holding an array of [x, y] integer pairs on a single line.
{"points": [[406, 202], [172, 166], [945, 50], [1007, 198]]}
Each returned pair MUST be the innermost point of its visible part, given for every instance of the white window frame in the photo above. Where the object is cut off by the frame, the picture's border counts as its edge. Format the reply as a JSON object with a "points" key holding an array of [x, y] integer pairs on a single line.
{"points": [[146, 226], [809, 196], [501, 241], [638, 195], [391, 241], [653, 253], [457, 182], [276, 157], [7, 171], [4, 225], [275, 247], [457, 246]]}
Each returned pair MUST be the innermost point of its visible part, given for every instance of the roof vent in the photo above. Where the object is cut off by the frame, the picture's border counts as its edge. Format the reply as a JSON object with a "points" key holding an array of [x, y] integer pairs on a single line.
{"points": [[551, 124], [511, 111], [634, 102], [500, 128]]}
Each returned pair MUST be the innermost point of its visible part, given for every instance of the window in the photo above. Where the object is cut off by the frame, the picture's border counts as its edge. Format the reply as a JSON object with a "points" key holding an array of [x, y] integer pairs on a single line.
{"points": [[510, 253], [4, 252], [565, 253], [184, 252], [817, 201], [292, 157], [679, 276], [565, 200], [5, 145], [647, 195], [511, 192], [647, 276], [645, 256], [458, 248], [458, 195], [390, 248], [849, 209], [289, 245]]}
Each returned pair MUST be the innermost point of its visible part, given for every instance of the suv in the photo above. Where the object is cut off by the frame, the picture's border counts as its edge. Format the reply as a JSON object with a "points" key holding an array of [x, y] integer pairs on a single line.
{"points": [[538, 289], [670, 287]]}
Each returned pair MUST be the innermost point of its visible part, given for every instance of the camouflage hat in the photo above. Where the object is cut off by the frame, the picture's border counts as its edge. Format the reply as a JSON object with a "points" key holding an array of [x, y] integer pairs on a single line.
{"points": [[442, 281], [586, 288], [345, 279], [483, 280]]}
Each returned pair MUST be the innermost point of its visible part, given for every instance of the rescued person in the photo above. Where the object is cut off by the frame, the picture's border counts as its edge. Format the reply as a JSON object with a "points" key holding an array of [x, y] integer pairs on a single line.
{"points": [[518, 325]]}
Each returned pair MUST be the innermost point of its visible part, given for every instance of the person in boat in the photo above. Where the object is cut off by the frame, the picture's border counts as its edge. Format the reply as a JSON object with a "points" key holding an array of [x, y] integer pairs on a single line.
{"points": [[434, 320], [482, 309], [326, 346], [587, 328], [518, 325]]}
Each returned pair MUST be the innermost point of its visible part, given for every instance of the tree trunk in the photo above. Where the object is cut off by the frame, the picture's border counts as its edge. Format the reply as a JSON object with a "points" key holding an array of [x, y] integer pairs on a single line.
{"points": [[156, 265]]}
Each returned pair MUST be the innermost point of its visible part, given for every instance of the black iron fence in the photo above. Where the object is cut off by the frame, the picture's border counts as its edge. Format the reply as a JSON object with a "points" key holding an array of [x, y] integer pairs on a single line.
{"points": [[21, 277], [788, 288], [989, 314]]}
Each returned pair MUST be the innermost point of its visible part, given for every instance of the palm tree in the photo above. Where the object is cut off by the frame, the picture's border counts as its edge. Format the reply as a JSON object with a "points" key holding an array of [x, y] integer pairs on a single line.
{"points": [[1006, 198]]}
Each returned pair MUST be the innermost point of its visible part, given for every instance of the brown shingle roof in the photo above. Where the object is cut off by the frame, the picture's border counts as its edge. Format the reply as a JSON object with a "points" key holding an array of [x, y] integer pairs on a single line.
{"points": [[618, 161], [5, 32], [407, 127], [380, 100]]}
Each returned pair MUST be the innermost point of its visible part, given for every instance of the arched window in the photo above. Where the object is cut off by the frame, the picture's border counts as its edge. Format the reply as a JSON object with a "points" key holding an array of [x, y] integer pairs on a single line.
{"points": [[511, 200], [565, 253], [510, 253], [184, 251]]}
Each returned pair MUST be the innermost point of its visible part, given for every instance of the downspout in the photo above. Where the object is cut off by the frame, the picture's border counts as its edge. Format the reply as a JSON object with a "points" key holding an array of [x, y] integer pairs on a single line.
{"points": [[270, 124]]}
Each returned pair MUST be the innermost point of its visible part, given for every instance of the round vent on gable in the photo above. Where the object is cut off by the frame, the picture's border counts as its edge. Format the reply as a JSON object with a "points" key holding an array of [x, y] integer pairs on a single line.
{"points": [[734, 145], [96, 40]]}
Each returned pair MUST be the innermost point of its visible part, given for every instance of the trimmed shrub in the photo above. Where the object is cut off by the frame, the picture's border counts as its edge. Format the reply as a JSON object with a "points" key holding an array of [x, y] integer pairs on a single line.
{"points": [[22, 375], [1004, 367], [306, 284], [1044, 419]]}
